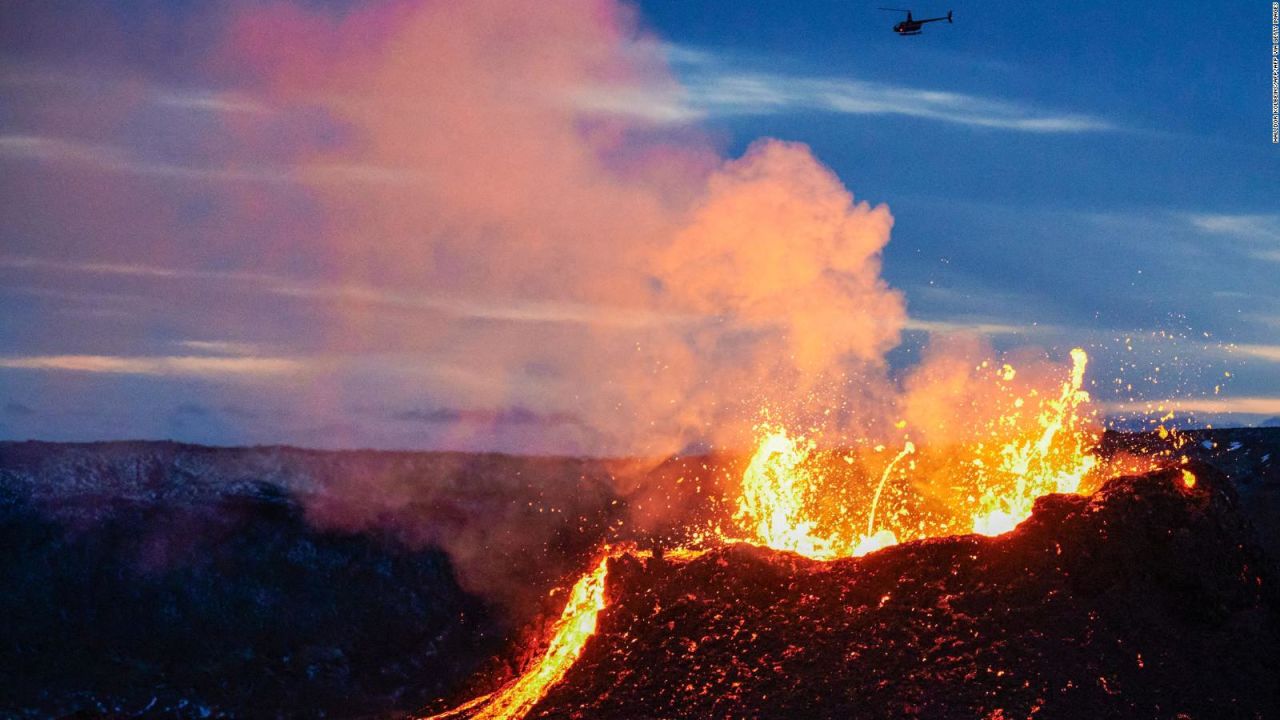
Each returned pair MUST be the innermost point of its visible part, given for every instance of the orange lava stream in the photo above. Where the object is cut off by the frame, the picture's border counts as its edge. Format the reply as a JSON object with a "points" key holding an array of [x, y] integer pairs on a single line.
{"points": [[576, 625]]}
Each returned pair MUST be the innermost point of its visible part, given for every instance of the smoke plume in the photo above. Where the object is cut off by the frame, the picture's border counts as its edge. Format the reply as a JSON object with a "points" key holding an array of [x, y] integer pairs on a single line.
{"points": [[616, 274]]}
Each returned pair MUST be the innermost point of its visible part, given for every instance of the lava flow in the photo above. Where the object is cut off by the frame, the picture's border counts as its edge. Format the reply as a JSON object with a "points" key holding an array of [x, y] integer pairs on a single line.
{"points": [[570, 633], [1042, 444]]}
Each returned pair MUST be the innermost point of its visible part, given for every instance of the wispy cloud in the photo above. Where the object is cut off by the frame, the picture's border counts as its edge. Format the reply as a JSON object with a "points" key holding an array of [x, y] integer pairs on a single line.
{"points": [[1260, 231], [130, 269], [214, 102], [495, 309], [210, 100], [1247, 226], [659, 105], [163, 365], [712, 87], [220, 347], [118, 159], [1262, 352], [762, 94], [980, 327], [1245, 405]]}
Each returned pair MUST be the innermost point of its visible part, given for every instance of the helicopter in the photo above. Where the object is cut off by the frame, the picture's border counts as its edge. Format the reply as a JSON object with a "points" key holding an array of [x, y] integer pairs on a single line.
{"points": [[911, 26]]}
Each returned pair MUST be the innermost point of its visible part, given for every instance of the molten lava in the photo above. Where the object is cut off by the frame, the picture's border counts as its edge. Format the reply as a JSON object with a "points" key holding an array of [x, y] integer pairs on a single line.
{"points": [[1055, 460], [779, 504], [1038, 446], [775, 501], [577, 623]]}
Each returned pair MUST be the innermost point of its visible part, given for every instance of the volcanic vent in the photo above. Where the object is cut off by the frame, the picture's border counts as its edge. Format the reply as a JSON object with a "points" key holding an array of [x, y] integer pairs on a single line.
{"points": [[1122, 585], [1143, 600]]}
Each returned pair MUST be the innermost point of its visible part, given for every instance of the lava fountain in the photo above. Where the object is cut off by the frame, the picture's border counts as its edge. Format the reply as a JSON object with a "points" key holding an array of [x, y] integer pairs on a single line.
{"points": [[1041, 445]]}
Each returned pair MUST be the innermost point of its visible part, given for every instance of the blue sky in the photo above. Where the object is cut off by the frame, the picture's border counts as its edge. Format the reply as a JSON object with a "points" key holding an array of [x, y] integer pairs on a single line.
{"points": [[1059, 175], [1102, 172]]}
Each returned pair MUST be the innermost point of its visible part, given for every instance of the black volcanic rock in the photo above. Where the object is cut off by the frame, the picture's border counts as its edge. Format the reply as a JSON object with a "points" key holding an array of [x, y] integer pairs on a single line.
{"points": [[1148, 600], [512, 526], [234, 606], [1250, 457]]}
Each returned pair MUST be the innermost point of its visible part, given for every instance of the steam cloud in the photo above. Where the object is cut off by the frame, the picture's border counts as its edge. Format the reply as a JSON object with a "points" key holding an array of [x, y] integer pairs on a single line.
{"points": [[617, 272]]}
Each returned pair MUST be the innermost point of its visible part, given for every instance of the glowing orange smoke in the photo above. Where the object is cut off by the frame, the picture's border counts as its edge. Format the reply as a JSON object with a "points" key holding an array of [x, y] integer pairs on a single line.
{"points": [[576, 625]]}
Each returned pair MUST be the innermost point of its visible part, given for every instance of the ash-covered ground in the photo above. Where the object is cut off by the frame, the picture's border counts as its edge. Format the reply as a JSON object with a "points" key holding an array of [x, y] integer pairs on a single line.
{"points": [[164, 580]]}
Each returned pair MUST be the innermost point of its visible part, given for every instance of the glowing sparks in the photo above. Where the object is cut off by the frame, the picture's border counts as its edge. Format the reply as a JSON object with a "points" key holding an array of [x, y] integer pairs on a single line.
{"points": [[874, 540], [1188, 478]]}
